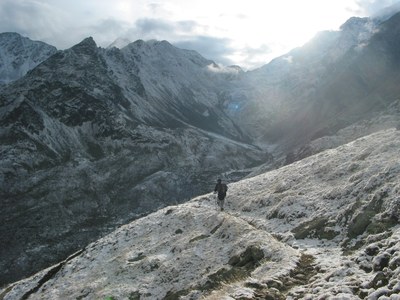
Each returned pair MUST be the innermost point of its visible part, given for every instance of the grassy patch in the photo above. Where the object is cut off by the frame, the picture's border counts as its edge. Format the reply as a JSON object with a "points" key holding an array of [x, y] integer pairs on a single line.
{"points": [[380, 226], [360, 223], [314, 228]]}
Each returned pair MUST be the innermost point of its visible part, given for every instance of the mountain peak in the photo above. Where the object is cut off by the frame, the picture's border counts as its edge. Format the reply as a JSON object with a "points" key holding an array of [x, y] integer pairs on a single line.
{"points": [[88, 45], [5, 37], [19, 54], [10, 35], [354, 23]]}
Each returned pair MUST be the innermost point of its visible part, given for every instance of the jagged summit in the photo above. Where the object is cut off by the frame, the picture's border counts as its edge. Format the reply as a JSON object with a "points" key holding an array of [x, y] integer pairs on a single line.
{"points": [[86, 46], [326, 226]]}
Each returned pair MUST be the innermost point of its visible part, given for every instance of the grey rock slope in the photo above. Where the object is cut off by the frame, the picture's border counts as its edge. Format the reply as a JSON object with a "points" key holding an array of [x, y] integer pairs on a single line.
{"points": [[93, 138], [19, 54], [324, 227]]}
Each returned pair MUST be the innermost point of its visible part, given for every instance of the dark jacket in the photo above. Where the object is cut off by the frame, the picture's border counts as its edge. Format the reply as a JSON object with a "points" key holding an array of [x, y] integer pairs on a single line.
{"points": [[221, 188]]}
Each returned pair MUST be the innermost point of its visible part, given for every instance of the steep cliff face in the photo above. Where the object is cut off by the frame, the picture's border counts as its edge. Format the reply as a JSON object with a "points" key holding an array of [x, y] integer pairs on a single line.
{"points": [[18, 55]]}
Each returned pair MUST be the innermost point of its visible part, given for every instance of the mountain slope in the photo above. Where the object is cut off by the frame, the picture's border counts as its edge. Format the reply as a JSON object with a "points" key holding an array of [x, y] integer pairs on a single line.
{"points": [[18, 55], [336, 79], [326, 226], [94, 138]]}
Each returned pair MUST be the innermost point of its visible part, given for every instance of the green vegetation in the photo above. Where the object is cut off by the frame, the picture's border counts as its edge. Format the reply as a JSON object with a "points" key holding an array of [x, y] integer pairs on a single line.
{"points": [[315, 228]]}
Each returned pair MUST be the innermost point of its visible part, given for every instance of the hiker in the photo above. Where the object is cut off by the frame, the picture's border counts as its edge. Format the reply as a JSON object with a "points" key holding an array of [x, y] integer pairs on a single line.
{"points": [[221, 189]]}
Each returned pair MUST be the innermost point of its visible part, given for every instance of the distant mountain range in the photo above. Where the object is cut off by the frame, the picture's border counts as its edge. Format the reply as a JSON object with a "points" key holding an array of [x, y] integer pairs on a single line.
{"points": [[93, 138]]}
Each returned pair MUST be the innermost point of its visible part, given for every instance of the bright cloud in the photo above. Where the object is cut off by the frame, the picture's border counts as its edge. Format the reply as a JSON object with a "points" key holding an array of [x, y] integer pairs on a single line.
{"points": [[246, 33]]}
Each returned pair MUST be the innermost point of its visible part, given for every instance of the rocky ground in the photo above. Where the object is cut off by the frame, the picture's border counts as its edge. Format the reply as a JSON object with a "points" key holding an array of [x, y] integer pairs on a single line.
{"points": [[325, 227]]}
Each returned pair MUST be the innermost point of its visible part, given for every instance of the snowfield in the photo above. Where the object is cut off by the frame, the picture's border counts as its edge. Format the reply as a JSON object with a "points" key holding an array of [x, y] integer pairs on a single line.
{"points": [[325, 227]]}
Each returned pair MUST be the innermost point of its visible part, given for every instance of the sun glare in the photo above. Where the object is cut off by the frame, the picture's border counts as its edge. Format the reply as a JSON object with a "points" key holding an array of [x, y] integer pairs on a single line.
{"points": [[274, 27]]}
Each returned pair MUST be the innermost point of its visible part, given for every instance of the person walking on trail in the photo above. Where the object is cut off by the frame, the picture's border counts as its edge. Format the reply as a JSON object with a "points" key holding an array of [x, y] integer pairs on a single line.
{"points": [[221, 189]]}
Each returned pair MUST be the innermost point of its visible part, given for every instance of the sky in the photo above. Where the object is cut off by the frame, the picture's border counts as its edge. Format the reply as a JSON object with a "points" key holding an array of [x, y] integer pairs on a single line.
{"points": [[246, 33]]}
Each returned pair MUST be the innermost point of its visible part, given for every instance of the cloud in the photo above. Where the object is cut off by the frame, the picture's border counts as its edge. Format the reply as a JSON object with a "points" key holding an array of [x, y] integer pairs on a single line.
{"points": [[252, 57], [182, 34], [105, 32], [222, 51], [151, 28], [217, 49], [156, 27], [372, 7], [31, 18]]}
